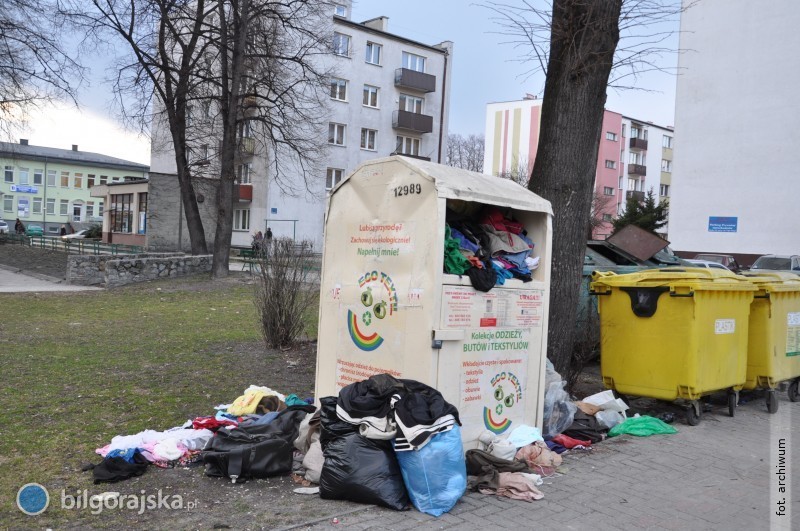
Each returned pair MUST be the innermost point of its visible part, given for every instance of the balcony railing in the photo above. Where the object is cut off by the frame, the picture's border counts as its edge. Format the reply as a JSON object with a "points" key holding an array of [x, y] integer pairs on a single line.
{"points": [[637, 169], [243, 192], [639, 196], [638, 143], [411, 79], [247, 145], [411, 121]]}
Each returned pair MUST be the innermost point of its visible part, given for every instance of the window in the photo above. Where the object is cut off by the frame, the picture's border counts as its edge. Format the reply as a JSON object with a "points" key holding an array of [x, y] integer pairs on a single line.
{"points": [[64, 179], [666, 141], [204, 152], [37, 205], [8, 203], [637, 132], [637, 157], [241, 219], [666, 165], [371, 96], [38, 177], [339, 10], [612, 164], [611, 136], [339, 89], [664, 190], [606, 217], [89, 210], [373, 53], [90, 180], [103, 179], [243, 173], [407, 145], [608, 190], [51, 178], [142, 212], [333, 177], [100, 209], [413, 62], [632, 184], [78, 180], [368, 139], [341, 44], [50, 207], [76, 212], [411, 103], [336, 134], [9, 174], [63, 207], [619, 182], [623, 130], [23, 175], [121, 214]]}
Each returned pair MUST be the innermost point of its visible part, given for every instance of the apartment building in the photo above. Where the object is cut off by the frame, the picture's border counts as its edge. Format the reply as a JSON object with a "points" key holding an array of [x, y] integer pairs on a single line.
{"points": [[630, 150], [389, 95], [49, 187], [737, 110]]}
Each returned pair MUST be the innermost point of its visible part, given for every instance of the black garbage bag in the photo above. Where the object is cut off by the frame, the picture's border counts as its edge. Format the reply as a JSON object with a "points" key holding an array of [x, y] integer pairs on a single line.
{"points": [[357, 469]]}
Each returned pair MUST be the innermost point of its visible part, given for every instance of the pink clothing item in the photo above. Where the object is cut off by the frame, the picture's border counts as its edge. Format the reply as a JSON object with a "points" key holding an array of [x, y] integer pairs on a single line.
{"points": [[539, 458], [516, 486], [568, 442]]}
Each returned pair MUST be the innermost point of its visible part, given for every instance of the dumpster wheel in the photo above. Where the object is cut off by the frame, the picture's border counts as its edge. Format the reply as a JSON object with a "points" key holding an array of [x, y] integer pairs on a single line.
{"points": [[693, 413], [793, 392], [733, 399], [772, 401]]}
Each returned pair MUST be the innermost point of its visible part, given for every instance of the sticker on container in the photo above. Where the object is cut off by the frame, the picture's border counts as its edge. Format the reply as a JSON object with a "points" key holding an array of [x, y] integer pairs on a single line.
{"points": [[793, 334], [725, 326]]}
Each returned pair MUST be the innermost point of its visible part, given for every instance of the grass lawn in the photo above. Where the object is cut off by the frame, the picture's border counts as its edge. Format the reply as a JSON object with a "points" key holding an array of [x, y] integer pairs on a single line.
{"points": [[79, 368]]}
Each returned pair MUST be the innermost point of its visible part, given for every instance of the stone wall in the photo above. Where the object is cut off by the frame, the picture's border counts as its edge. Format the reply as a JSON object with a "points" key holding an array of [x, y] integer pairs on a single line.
{"points": [[111, 271]]}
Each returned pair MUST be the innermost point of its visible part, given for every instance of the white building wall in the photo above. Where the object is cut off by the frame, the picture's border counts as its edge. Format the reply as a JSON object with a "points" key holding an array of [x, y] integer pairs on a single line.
{"points": [[737, 112]]}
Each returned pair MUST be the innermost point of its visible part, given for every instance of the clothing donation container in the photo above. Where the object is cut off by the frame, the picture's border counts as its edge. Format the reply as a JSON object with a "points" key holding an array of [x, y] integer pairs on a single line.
{"points": [[387, 306]]}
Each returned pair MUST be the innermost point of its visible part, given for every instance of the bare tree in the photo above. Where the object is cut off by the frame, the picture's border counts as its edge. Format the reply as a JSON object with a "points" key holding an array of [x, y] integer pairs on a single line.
{"points": [[576, 43], [519, 172], [599, 207], [219, 74], [34, 67], [465, 152]]}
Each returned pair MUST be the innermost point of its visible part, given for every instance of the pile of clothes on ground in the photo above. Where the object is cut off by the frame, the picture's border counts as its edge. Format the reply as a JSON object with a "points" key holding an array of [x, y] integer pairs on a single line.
{"points": [[200, 440], [487, 245]]}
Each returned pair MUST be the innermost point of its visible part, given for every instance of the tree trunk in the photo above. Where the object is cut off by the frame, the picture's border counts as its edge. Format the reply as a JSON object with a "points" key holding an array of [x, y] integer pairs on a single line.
{"points": [[584, 36]]}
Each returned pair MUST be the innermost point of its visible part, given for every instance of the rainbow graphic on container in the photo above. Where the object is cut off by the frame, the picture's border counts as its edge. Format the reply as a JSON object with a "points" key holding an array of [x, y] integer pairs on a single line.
{"points": [[492, 425], [364, 342]]}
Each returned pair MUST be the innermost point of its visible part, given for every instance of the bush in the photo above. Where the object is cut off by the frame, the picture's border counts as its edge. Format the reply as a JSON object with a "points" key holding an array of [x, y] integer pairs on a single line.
{"points": [[95, 231], [285, 289]]}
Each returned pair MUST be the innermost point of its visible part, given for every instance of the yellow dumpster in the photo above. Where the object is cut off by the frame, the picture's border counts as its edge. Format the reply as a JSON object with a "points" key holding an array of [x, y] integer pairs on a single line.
{"points": [[674, 333], [773, 349]]}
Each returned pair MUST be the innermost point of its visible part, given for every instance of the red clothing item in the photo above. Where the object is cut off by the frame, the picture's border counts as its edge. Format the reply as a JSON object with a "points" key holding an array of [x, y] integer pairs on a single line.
{"points": [[211, 423], [568, 442]]}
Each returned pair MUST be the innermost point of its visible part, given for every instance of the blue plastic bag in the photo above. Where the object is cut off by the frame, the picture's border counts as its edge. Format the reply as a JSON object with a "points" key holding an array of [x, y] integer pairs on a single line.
{"points": [[436, 474]]}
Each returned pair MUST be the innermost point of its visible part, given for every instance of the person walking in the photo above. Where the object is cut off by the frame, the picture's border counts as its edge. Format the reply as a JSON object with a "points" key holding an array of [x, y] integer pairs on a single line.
{"points": [[258, 241], [269, 236], [63, 230], [19, 228]]}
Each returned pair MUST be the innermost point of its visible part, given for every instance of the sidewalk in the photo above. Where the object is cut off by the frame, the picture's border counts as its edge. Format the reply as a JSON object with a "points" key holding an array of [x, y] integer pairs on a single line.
{"points": [[713, 476], [13, 280]]}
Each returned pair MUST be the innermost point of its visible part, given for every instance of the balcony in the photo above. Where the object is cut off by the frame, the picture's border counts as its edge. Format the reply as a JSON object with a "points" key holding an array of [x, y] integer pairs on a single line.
{"points": [[242, 192], [639, 196], [411, 121], [411, 79], [637, 169], [638, 143], [247, 146]]}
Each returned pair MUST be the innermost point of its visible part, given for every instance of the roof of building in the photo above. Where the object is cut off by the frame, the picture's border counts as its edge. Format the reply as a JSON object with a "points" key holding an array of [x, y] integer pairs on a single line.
{"points": [[41, 153], [375, 31]]}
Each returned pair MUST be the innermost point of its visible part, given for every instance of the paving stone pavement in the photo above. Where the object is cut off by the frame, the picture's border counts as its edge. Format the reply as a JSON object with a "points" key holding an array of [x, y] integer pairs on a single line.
{"points": [[716, 475]]}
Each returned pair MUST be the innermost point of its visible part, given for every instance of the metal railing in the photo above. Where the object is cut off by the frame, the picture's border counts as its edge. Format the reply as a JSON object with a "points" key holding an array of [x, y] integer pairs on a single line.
{"points": [[95, 247]]}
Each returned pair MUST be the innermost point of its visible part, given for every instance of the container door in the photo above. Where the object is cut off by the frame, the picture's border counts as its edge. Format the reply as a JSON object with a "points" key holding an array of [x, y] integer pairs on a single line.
{"points": [[492, 344]]}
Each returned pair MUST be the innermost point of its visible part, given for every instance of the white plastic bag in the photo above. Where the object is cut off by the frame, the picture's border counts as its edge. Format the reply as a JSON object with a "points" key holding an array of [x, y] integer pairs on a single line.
{"points": [[559, 410]]}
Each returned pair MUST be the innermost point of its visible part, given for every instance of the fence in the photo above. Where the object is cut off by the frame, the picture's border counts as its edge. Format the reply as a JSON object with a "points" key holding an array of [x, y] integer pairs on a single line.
{"points": [[94, 247]]}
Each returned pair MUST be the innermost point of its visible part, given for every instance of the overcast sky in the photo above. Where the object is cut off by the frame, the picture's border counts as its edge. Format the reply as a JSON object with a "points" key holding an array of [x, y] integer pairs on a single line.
{"points": [[484, 71]]}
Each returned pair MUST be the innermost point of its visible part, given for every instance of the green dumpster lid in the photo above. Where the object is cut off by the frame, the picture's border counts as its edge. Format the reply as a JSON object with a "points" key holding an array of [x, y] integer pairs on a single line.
{"points": [[695, 278], [774, 281]]}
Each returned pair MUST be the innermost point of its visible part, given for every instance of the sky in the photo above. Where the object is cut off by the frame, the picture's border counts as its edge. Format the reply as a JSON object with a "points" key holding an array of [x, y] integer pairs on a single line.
{"points": [[484, 71]]}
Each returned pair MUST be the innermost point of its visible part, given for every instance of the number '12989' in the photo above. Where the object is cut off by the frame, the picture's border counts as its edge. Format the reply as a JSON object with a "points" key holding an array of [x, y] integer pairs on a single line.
{"points": [[407, 189]]}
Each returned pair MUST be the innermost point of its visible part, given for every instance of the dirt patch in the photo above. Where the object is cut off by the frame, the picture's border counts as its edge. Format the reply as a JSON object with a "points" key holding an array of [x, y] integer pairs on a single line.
{"points": [[44, 262]]}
